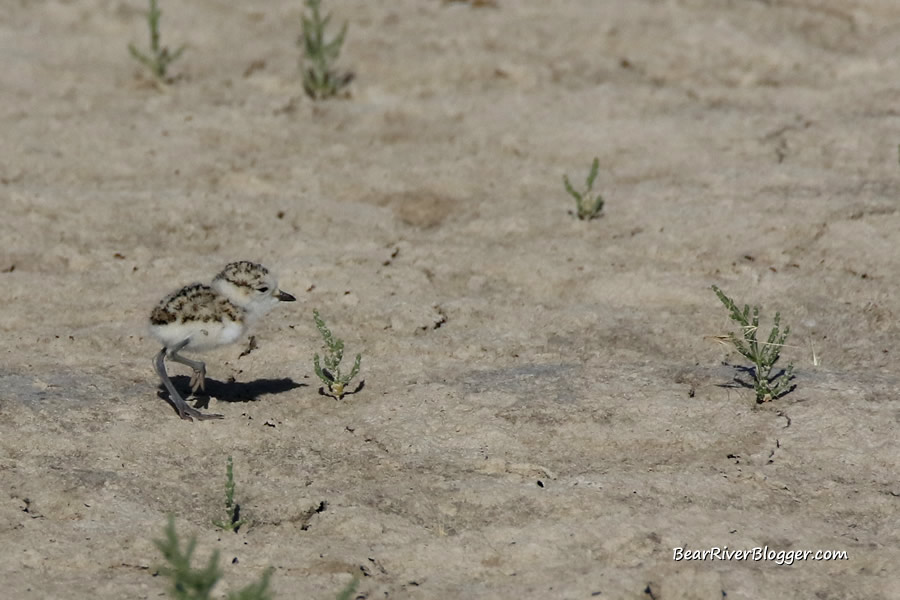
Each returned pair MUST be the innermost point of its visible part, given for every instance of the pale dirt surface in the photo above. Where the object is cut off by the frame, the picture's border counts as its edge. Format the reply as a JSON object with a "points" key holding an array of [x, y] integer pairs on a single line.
{"points": [[527, 428]]}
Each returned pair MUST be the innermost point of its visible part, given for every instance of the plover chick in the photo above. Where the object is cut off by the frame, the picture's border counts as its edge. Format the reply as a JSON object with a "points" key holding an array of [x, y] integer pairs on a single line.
{"points": [[200, 317]]}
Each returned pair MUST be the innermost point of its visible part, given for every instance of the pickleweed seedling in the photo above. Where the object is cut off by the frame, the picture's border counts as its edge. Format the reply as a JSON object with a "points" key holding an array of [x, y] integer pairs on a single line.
{"points": [[189, 583], [258, 590], [232, 520], [160, 58], [320, 79], [587, 206], [763, 355], [331, 373]]}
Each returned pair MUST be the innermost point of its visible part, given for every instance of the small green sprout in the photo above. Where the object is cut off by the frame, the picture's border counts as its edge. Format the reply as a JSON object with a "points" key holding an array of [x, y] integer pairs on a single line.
{"points": [[587, 208], [232, 521], [762, 355], [320, 80], [188, 583], [331, 374], [159, 59], [349, 590]]}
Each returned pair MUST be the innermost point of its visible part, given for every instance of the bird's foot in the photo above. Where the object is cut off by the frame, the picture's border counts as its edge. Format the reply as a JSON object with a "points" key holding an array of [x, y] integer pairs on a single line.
{"points": [[198, 379]]}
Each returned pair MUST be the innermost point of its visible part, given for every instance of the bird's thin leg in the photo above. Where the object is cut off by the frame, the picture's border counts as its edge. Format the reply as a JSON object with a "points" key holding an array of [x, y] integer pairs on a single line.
{"points": [[184, 410], [198, 379]]}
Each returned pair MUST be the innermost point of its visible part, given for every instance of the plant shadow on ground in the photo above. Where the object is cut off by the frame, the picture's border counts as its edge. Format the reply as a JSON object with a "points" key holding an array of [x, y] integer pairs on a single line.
{"points": [[235, 391], [750, 372], [323, 390]]}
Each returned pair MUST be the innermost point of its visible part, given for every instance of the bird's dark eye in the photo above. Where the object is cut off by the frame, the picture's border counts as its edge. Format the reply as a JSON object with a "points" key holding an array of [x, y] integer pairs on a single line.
{"points": [[262, 290]]}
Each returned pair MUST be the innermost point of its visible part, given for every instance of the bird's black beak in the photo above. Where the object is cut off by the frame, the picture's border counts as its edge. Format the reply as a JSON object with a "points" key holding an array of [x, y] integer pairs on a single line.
{"points": [[284, 296]]}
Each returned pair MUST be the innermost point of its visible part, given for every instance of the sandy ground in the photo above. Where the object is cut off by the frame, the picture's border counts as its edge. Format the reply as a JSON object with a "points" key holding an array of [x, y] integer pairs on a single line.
{"points": [[544, 414]]}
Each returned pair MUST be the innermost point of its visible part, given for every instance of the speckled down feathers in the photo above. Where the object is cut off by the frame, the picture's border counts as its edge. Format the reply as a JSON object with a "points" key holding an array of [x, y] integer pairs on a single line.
{"points": [[195, 303], [244, 274]]}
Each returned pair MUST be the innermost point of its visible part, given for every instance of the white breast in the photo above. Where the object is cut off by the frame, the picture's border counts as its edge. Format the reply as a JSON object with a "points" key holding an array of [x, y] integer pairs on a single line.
{"points": [[201, 336]]}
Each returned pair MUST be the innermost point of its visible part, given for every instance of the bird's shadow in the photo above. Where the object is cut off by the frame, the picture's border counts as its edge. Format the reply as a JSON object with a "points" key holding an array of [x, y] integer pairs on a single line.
{"points": [[234, 391]]}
